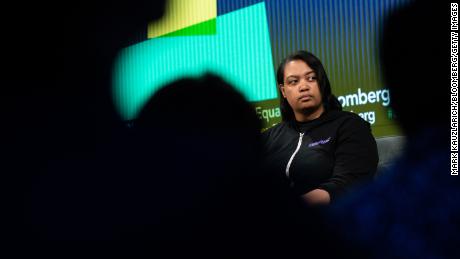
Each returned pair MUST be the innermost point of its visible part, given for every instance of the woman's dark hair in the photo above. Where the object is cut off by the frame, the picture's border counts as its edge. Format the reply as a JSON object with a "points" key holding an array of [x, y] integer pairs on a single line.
{"points": [[329, 101]]}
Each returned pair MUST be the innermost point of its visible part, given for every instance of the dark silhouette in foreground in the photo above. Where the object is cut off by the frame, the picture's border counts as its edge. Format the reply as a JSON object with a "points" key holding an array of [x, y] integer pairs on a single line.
{"points": [[62, 124], [411, 211], [198, 140]]}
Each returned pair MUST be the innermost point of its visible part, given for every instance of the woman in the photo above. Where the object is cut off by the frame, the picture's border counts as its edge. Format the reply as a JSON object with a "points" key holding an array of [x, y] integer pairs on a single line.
{"points": [[318, 149]]}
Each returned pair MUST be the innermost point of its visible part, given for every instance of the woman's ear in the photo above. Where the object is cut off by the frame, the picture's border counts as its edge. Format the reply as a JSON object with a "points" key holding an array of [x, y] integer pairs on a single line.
{"points": [[281, 86]]}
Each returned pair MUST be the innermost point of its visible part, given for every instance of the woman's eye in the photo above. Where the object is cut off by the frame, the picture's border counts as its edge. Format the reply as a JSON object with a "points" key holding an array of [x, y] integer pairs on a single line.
{"points": [[311, 78], [291, 82]]}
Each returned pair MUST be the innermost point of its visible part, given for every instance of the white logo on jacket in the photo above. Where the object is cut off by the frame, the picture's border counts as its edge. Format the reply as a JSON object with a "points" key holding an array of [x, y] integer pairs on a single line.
{"points": [[319, 142]]}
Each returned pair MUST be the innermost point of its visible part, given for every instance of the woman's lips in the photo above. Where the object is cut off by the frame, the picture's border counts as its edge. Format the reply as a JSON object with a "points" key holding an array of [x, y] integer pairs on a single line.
{"points": [[305, 97]]}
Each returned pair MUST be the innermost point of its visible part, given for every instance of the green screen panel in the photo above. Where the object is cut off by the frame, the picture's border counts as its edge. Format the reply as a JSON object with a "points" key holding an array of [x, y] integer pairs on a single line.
{"points": [[247, 38], [239, 51]]}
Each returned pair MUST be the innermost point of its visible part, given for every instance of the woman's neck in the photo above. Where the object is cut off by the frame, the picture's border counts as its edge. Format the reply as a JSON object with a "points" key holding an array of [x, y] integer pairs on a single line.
{"points": [[309, 115]]}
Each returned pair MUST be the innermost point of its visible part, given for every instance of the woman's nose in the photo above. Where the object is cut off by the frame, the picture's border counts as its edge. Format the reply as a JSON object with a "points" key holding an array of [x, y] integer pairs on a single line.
{"points": [[304, 86]]}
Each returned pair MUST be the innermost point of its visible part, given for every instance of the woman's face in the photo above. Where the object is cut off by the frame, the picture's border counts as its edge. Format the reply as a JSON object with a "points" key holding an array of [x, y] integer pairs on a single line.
{"points": [[301, 90]]}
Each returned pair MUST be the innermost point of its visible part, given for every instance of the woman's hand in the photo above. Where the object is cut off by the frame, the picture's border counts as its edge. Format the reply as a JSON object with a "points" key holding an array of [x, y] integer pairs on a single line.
{"points": [[317, 197]]}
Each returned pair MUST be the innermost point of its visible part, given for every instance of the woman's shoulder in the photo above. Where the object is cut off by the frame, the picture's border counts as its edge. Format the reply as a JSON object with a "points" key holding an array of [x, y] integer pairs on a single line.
{"points": [[351, 118], [282, 131], [277, 128], [353, 125], [348, 122]]}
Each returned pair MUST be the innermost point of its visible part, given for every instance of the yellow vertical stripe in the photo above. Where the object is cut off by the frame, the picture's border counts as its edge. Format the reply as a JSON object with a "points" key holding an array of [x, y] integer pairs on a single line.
{"points": [[181, 14]]}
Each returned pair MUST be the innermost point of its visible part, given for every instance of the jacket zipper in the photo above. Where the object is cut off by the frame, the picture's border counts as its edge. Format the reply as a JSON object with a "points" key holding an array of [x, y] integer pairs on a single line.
{"points": [[293, 155]]}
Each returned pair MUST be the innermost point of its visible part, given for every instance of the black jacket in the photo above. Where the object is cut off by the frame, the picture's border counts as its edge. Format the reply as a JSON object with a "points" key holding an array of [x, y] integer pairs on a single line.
{"points": [[332, 152]]}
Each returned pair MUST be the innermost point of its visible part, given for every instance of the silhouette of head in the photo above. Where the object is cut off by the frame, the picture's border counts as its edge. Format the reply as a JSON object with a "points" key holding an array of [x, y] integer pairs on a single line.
{"points": [[198, 138], [414, 55]]}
